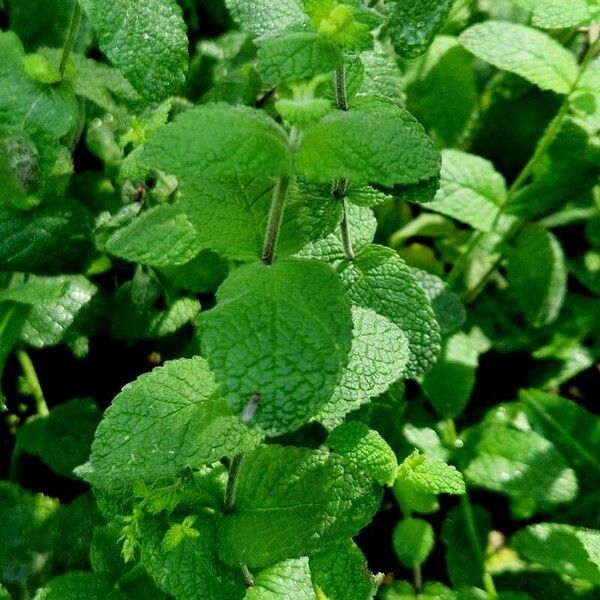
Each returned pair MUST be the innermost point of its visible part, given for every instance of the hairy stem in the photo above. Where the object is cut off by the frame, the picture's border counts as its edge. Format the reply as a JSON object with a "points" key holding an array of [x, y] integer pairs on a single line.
{"points": [[340, 88], [33, 383], [234, 471], [346, 236], [248, 579], [70, 41], [541, 149], [275, 219]]}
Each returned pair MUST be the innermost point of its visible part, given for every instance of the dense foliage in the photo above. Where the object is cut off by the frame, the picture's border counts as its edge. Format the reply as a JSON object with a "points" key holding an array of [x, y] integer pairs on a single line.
{"points": [[351, 252]]}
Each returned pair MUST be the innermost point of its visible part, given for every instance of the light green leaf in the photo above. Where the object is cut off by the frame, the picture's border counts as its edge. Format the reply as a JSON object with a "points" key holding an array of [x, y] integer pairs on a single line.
{"points": [[49, 320], [288, 580], [520, 464], [447, 306], [342, 573], [378, 357], [413, 25], [524, 51], [429, 476], [145, 39], [471, 190], [382, 76], [291, 502], [297, 56], [413, 541], [449, 383], [282, 332], [218, 140], [380, 280], [556, 14], [161, 237], [367, 449], [539, 292], [165, 421], [262, 17], [34, 290], [78, 585], [378, 143], [190, 568], [63, 439], [564, 549]]}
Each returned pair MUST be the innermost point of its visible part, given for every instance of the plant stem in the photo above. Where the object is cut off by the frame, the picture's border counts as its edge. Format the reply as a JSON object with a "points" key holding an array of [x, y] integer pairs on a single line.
{"points": [[33, 383], [346, 236], [71, 36], [541, 149], [248, 579], [340, 88], [234, 471], [275, 219], [418, 578]]}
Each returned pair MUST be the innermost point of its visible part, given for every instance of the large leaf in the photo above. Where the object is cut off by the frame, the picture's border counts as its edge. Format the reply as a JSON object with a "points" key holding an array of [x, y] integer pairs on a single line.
{"points": [[282, 333], [145, 39], [217, 140], [380, 280], [540, 292], [291, 502], [378, 143], [568, 550], [262, 17], [289, 579], [524, 51], [413, 25], [165, 421]]}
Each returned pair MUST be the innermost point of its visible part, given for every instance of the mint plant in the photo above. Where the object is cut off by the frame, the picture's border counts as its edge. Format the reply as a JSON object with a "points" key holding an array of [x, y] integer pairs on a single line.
{"points": [[299, 299]]}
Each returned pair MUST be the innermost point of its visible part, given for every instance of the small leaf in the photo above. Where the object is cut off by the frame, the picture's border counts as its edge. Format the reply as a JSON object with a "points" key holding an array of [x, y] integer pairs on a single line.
{"points": [[342, 573], [146, 40], [262, 17], [555, 14], [165, 421], [430, 476], [380, 280], [413, 25], [524, 51], [283, 332], [564, 549], [540, 292], [291, 502], [413, 541], [367, 448], [217, 140], [289, 579], [380, 144], [297, 56]]}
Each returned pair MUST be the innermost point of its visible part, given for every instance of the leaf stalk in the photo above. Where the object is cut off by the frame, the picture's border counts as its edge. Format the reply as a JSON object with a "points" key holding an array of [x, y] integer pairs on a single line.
{"points": [[71, 36]]}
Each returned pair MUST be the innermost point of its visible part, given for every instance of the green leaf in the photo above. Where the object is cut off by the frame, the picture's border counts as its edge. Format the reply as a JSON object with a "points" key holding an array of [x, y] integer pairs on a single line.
{"points": [[289, 579], [378, 357], [564, 549], [380, 280], [432, 590], [413, 541], [63, 439], [49, 321], [161, 237], [282, 332], [35, 290], [164, 422], [367, 448], [290, 502], [12, 319], [217, 140], [449, 311], [429, 476], [263, 17], [520, 464], [382, 76], [571, 428], [78, 585], [380, 144], [203, 274], [450, 382], [539, 292], [465, 535], [471, 190], [146, 40], [190, 568], [341, 572], [413, 25], [555, 14], [524, 51], [297, 56]]}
